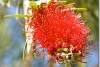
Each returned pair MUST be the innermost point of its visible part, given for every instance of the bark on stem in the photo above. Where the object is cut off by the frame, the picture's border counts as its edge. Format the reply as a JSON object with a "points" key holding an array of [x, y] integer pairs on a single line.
{"points": [[28, 49]]}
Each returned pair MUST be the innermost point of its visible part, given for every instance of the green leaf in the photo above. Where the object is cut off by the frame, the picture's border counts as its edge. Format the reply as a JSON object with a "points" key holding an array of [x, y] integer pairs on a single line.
{"points": [[33, 5], [16, 15], [79, 9]]}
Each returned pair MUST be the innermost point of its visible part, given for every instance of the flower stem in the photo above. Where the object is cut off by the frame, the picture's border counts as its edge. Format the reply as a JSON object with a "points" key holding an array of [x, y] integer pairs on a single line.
{"points": [[51, 62], [67, 65]]}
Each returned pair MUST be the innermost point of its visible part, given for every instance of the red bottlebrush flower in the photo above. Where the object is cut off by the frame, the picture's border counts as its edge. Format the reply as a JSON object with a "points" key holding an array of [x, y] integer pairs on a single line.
{"points": [[59, 27]]}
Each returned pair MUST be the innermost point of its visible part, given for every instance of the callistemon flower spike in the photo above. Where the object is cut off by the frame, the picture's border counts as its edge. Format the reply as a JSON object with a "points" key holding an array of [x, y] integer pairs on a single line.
{"points": [[61, 31]]}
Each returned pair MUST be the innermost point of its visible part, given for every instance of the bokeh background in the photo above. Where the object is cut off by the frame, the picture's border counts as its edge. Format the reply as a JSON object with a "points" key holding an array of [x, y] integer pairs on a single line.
{"points": [[12, 36]]}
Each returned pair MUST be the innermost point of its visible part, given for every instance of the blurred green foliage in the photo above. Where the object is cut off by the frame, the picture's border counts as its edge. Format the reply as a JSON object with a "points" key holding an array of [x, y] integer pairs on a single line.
{"points": [[4, 36]]}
